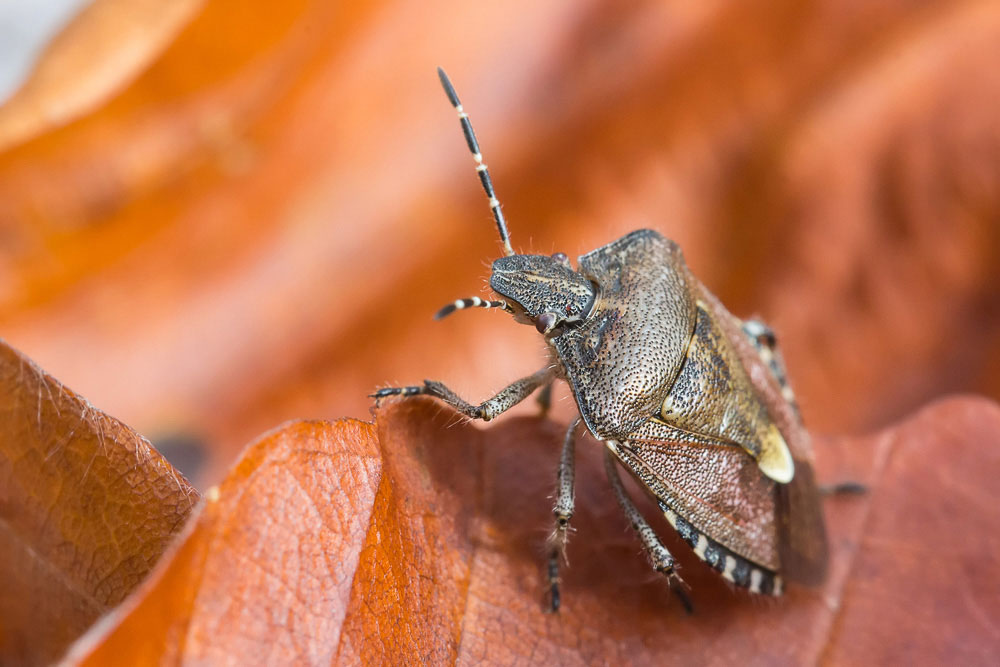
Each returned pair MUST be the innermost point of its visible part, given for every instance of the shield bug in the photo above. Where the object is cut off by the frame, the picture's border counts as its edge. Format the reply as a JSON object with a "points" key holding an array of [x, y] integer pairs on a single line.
{"points": [[692, 401]]}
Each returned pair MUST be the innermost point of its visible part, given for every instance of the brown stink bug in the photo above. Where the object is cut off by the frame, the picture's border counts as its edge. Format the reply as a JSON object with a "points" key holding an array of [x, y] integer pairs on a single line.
{"points": [[688, 398]]}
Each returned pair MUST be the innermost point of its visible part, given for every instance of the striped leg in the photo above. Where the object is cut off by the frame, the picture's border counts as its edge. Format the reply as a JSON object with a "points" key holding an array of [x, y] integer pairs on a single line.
{"points": [[659, 557], [762, 337], [507, 398], [563, 511]]}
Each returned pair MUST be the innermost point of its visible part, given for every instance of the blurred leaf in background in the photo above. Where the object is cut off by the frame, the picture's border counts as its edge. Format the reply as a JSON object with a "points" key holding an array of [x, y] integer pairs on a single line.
{"points": [[254, 213]]}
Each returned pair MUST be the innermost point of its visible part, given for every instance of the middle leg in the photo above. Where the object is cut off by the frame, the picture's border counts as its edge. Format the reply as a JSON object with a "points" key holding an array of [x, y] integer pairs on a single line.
{"points": [[563, 511]]}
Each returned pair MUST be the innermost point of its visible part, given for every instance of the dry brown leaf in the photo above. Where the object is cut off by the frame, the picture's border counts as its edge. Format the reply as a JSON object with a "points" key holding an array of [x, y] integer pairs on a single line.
{"points": [[314, 549], [924, 587], [86, 509], [266, 571]]}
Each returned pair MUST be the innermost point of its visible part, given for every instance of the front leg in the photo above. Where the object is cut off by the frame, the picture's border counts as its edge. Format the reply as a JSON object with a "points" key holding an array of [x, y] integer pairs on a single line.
{"points": [[507, 398]]}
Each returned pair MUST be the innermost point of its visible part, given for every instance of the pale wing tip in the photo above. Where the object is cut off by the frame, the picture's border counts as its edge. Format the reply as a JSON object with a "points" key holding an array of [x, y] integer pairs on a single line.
{"points": [[775, 459]]}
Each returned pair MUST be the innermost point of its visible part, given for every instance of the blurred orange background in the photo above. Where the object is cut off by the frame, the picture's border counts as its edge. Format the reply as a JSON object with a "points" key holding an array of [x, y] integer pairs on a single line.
{"points": [[216, 216]]}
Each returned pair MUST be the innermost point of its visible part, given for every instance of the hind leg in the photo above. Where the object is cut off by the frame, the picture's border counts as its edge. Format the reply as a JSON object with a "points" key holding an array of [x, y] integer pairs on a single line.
{"points": [[659, 557], [763, 339]]}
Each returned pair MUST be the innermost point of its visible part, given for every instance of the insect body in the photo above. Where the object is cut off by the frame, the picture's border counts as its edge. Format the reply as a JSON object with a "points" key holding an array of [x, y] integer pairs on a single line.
{"points": [[689, 399]]}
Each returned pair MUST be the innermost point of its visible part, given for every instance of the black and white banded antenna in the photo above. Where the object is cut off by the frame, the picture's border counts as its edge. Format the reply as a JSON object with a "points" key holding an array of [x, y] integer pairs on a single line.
{"points": [[472, 302], [481, 169]]}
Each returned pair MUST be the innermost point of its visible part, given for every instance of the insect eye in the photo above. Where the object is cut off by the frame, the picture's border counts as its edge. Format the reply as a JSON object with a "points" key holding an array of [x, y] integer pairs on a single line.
{"points": [[561, 257], [545, 322]]}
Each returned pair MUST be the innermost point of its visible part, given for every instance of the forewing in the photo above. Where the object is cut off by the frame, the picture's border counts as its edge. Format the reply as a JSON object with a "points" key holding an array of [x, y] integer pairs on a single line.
{"points": [[714, 396], [801, 529], [715, 487]]}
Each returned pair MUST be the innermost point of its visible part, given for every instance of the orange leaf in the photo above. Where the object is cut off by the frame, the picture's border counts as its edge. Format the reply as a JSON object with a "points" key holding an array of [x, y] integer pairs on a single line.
{"points": [[313, 550], [86, 509], [924, 585], [266, 571]]}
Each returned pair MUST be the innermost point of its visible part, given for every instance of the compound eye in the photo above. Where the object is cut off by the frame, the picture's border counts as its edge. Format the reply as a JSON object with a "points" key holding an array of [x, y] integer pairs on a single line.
{"points": [[561, 257], [546, 322]]}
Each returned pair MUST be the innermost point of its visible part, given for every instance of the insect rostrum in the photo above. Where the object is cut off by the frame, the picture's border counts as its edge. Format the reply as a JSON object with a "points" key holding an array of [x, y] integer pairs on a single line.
{"points": [[692, 401]]}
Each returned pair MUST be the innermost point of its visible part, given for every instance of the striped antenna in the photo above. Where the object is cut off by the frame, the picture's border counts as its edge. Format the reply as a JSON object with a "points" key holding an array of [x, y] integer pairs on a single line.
{"points": [[473, 302], [481, 169]]}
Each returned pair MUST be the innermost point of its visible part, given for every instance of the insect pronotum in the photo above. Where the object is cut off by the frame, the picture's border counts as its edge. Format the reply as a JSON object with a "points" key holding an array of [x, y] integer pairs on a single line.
{"points": [[692, 401]]}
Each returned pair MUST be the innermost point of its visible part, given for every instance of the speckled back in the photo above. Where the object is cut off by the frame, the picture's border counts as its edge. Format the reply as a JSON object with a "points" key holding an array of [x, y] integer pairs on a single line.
{"points": [[623, 360]]}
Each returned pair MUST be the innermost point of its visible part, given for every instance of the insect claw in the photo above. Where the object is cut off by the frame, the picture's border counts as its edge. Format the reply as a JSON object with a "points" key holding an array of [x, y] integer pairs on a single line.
{"points": [[849, 488], [554, 598], [682, 596], [379, 395], [386, 392]]}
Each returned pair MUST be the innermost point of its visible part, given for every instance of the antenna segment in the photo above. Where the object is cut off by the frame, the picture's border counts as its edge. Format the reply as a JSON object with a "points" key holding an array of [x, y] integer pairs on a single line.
{"points": [[472, 302], [481, 169]]}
